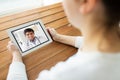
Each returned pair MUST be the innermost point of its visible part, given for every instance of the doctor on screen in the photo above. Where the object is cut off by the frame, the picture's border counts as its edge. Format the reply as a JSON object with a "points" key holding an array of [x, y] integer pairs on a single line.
{"points": [[32, 40]]}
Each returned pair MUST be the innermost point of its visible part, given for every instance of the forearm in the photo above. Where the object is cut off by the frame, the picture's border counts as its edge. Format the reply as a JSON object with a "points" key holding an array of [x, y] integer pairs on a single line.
{"points": [[17, 68], [17, 71], [69, 40]]}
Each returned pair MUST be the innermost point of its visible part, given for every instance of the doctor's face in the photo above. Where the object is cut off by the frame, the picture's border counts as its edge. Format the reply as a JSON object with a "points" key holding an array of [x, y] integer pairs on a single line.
{"points": [[30, 35]]}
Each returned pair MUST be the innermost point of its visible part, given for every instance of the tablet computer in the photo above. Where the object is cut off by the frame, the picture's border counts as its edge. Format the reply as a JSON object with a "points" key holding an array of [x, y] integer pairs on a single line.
{"points": [[29, 36]]}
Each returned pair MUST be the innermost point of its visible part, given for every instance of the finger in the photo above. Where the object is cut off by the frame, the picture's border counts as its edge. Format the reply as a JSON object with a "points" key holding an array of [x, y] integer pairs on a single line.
{"points": [[47, 27], [53, 30], [50, 30], [7, 46], [10, 42]]}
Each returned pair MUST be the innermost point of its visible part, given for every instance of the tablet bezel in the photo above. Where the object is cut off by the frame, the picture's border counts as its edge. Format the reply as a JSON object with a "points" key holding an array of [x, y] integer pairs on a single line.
{"points": [[12, 36]]}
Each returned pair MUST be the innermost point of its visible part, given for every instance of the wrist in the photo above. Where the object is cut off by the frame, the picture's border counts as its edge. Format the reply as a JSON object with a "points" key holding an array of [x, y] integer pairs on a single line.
{"points": [[17, 56], [56, 37], [15, 51]]}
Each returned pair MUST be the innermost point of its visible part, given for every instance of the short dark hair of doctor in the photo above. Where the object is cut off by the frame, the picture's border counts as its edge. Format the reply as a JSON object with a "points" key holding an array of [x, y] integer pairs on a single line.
{"points": [[28, 30]]}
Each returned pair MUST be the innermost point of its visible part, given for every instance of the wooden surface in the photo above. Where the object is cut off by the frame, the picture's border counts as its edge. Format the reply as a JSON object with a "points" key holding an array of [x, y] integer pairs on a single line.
{"points": [[45, 57]]}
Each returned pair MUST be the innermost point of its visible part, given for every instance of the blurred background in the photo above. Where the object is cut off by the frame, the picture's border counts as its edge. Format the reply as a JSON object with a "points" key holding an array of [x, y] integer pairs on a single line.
{"points": [[8, 7]]}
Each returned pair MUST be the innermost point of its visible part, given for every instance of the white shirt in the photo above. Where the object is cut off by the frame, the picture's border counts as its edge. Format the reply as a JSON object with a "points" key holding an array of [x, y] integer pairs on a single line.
{"points": [[81, 66], [37, 41]]}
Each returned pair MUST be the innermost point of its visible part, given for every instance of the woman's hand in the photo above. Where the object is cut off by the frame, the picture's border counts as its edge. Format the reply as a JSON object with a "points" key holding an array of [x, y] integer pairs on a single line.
{"points": [[11, 47], [53, 33], [17, 57], [70, 40]]}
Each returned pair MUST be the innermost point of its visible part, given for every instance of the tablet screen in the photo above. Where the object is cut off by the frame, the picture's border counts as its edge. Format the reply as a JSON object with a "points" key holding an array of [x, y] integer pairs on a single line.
{"points": [[29, 36]]}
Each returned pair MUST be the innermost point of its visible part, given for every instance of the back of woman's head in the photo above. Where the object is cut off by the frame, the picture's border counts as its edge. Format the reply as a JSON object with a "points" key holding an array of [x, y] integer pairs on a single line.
{"points": [[112, 8]]}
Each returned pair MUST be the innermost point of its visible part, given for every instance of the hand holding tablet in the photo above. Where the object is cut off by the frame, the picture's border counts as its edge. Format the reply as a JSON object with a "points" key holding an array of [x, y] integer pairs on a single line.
{"points": [[30, 36]]}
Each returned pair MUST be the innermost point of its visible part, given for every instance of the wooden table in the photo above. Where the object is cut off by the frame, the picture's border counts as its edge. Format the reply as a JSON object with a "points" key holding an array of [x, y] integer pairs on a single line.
{"points": [[45, 57]]}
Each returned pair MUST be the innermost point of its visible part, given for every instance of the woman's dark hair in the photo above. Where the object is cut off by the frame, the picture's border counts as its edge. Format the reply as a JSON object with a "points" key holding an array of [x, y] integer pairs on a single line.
{"points": [[28, 30], [112, 8]]}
